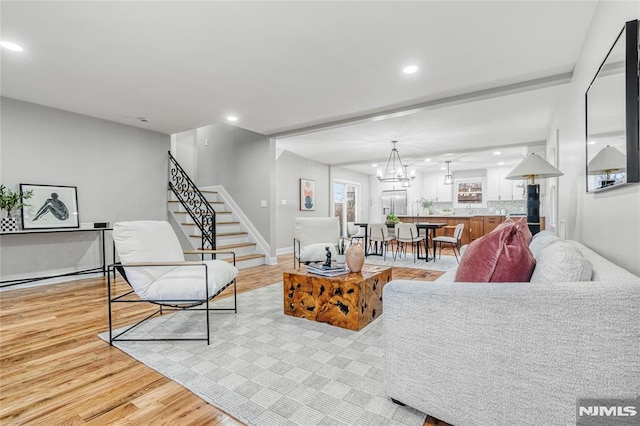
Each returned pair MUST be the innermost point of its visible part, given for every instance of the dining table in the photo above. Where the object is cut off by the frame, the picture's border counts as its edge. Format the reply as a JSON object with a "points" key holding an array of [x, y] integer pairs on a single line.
{"points": [[365, 225], [430, 228]]}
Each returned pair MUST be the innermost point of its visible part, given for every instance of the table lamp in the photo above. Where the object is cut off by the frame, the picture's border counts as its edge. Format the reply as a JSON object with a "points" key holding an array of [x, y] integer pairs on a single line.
{"points": [[532, 167], [607, 161]]}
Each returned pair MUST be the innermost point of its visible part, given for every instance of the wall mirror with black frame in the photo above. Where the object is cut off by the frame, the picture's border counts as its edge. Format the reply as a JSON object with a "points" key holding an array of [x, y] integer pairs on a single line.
{"points": [[612, 108]]}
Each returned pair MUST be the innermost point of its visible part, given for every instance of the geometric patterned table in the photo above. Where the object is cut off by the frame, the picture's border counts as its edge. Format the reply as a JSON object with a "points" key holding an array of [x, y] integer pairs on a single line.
{"points": [[349, 301]]}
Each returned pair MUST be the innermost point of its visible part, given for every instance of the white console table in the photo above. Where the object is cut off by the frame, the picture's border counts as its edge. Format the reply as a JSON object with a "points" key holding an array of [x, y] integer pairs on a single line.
{"points": [[25, 234]]}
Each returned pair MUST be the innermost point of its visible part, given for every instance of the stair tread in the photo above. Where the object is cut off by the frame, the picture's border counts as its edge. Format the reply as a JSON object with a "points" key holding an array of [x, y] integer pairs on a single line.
{"points": [[245, 257], [232, 246], [220, 234], [238, 258], [227, 246], [210, 202], [207, 191]]}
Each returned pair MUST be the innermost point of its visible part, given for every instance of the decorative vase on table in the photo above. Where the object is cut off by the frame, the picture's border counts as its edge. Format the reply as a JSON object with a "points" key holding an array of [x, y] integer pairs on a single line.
{"points": [[355, 257], [8, 224], [341, 259]]}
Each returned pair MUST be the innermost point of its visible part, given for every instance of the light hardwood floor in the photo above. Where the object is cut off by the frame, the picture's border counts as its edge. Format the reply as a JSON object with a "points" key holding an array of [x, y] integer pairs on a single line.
{"points": [[55, 370]]}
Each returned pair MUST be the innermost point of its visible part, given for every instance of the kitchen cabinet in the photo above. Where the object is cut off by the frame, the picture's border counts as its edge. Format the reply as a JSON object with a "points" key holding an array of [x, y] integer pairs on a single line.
{"points": [[498, 188], [474, 226], [435, 189], [476, 229], [491, 222]]}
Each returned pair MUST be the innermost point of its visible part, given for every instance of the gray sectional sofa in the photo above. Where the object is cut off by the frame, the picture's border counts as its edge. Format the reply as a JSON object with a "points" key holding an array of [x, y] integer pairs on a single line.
{"points": [[515, 353]]}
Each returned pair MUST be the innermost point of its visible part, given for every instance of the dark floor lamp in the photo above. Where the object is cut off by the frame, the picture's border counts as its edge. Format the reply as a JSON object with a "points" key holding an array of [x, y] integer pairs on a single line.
{"points": [[531, 168]]}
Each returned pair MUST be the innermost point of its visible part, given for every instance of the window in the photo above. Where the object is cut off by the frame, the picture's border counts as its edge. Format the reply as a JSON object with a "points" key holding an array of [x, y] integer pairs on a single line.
{"points": [[346, 197]]}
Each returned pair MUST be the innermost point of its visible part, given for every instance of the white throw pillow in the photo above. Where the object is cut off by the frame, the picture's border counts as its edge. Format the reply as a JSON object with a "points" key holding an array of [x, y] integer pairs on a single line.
{"points": [[317, 252], [540, 242], [561, 262]]}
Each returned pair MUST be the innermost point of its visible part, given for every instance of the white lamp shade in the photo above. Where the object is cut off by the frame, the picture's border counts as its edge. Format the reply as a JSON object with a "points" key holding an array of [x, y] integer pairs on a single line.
{"points": [[609, 159], [533, 166]]}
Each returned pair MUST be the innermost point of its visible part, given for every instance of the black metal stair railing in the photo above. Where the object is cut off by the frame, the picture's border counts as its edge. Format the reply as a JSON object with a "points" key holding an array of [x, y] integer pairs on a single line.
{"points": [[196, 205]]}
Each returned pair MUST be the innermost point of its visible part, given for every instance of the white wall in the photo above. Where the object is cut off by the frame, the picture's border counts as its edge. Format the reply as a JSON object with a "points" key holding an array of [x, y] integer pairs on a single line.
{"points": [[120, 172], [607, 222], [239, 160], [289, 169]]}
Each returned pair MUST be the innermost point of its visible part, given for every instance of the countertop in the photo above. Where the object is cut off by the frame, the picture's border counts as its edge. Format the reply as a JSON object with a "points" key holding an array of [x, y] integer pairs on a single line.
{"points": [[466, 215]]}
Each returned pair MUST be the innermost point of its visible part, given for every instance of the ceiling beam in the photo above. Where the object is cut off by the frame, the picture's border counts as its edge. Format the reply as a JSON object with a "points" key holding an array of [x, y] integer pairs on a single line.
{"points": [[531, 144], [494, 92]]}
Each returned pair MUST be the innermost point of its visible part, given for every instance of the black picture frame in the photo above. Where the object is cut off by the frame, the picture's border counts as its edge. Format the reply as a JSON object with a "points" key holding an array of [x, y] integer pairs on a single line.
{"points": [[50, 207]]}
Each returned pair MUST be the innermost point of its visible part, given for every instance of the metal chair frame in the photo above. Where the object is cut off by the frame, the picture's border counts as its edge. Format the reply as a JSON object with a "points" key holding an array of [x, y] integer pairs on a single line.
{"points": [[457, 235], [401, 246], [171, 305]]}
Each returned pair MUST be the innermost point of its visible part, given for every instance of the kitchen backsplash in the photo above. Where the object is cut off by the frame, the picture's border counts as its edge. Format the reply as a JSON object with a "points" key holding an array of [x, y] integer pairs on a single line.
{"points": [[493, 207]]}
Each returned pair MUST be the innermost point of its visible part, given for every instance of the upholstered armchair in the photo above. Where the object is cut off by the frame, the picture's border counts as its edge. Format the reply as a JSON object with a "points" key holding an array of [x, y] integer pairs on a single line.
{"points": [[312, 236]]}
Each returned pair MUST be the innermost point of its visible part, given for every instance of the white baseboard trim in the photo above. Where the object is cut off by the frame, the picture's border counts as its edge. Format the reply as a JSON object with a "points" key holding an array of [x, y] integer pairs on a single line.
{"points": [[284, 250], [57, 280]]}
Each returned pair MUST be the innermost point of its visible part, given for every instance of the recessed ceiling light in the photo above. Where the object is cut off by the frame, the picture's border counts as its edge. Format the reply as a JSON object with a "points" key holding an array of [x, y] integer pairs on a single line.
{"points": [[427, 159], [449, 153], [11, 46], [410, 69], [232, 118], [374, 165], [144, 119], [592, 142], [501, 163], [443, 168], [496, 153]]}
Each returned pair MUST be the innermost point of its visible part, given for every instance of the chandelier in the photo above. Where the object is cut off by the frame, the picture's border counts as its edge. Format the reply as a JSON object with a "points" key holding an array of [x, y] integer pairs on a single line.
{"points": [[396, 171]]}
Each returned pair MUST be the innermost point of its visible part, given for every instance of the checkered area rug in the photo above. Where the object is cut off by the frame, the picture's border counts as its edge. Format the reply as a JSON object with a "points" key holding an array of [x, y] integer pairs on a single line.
{"points": [[266, 368]]}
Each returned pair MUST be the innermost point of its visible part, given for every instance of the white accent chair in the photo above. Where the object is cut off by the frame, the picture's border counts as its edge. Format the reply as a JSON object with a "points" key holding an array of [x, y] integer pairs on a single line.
{"points": [[153, 264], [311, 237], [407, 234], [454, 241], [379, 237]]}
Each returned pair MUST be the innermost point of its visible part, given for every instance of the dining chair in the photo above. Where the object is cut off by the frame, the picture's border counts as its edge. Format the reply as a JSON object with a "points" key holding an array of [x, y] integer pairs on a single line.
{"points": [[379, 234], [454, 241], [407, 234], [354, 232]]}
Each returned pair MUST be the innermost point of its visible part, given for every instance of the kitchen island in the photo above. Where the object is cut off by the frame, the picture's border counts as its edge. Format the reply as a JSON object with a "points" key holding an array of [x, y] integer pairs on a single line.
{"points": [[475, 226]]}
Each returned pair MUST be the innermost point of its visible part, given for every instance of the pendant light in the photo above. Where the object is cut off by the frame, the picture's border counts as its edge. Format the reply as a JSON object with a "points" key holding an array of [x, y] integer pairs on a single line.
{"points": [[448, 179]]}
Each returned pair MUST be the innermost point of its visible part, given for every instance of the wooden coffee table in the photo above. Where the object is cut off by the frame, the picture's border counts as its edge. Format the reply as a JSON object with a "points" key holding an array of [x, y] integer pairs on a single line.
{"points": [[349, 301]]}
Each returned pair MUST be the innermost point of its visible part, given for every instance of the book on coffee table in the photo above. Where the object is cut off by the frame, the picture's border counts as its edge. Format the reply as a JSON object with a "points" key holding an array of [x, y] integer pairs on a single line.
{"points": [[327, 271]]}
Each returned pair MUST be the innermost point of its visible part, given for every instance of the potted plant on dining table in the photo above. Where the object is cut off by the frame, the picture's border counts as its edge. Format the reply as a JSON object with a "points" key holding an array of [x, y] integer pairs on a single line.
{"points": [[392, 219]]}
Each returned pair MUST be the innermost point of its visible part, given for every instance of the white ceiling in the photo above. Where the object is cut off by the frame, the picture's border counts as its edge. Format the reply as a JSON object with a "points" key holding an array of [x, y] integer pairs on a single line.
{"points": [[283, 66]]}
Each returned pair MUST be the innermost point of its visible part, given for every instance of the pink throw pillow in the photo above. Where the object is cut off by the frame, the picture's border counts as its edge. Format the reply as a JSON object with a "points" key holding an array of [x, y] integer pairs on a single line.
{"points": [[500, 256], [521, 224], [523, 230]]}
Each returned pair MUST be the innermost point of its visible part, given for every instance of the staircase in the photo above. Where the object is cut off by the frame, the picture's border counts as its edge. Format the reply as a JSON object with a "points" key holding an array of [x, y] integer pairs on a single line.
{"points": [[192, 208]]}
